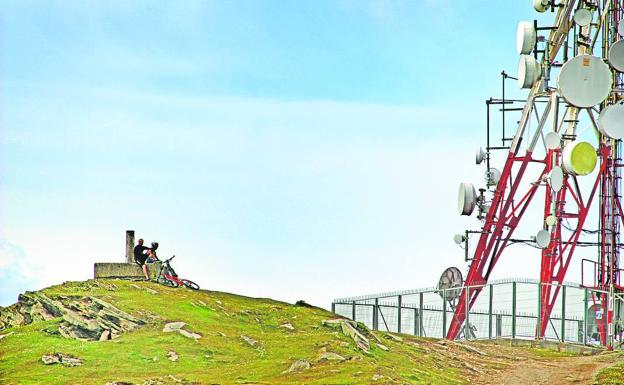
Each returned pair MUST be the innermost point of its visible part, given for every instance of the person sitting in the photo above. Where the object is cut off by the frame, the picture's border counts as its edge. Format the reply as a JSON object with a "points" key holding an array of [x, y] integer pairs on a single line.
{"points": [[141, 255]]}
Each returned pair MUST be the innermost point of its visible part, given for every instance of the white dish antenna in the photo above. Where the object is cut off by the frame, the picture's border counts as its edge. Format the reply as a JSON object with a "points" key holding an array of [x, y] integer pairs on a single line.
{"points": [[551, 220], [529, 70], [616, 55], [582, 17], [555, 178], [466, 199], [493, 176], [542, 238], [579, 158], [611, 120], [584, 81], [526, 36], [458, 238], [480, 156], [450, 283], [552, 140], [540, 5]]}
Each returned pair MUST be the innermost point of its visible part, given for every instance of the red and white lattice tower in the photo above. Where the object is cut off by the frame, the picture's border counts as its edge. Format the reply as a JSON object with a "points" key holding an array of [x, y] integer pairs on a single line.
{"points": [[583, 52]]}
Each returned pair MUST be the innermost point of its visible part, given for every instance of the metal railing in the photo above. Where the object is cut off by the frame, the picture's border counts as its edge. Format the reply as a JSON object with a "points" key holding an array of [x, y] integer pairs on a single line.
{"points": [[507, 308]]}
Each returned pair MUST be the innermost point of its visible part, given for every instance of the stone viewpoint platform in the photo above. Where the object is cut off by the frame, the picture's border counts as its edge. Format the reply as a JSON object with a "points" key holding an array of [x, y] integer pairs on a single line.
{"points": [[128, 269]]}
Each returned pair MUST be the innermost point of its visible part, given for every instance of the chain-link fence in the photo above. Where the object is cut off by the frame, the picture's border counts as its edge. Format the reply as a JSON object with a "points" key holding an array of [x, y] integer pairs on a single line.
{"points": [[504, 309]]}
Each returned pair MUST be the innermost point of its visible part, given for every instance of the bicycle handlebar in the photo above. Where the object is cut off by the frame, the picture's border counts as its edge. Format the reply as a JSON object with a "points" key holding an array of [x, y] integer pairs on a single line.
{"points": [[167, 260]]}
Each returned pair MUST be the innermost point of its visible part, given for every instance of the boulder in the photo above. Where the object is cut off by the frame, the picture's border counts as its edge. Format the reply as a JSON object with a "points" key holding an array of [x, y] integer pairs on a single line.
{"points": [[297, 366], [173, 326], [61, 358]]}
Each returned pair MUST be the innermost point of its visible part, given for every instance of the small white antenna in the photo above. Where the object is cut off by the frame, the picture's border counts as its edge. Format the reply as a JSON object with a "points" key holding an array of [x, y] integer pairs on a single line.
{"points": [[611, 120]]}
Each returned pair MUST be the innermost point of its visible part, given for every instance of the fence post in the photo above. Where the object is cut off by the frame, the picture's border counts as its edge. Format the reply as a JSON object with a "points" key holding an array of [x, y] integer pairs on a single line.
{"points": [[513, 310], [333, 307], [420, 315], [443, 313], [376, 314], [400, 302], [563, 311], [467, 330], [538, 330], [499, 325], [490, 311], [416, 331], [353, 310], [585, 318]]}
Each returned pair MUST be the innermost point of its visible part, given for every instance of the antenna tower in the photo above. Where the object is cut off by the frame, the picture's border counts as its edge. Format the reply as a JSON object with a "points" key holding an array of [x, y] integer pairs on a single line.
{"points": [[583, 50]]}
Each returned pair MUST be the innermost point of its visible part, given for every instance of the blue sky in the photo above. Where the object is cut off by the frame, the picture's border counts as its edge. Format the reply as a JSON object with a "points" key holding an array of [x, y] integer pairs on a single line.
{"points": [[286, 149]]}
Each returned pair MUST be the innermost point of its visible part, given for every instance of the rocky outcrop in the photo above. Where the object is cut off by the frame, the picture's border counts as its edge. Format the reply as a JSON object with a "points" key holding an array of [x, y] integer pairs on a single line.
{"points": [[84, 318]]}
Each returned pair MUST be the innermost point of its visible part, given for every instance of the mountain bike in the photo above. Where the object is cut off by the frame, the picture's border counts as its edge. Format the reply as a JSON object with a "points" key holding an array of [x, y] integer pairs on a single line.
{"points": [[168, 277]]}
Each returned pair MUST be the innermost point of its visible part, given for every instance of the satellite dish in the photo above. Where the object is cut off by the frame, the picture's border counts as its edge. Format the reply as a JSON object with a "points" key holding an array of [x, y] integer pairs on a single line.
{"points": [[582, 17], [529, 71], [555, 178], [458, 238], [621, 29], [466, 199], [552, 140], [526, 36], [551, 220], [611, 120], [616, 55], [542, 238], [493, 176], [450, 283], [540, 5], [595, 314], [480, 156], [579, 158], [584, 81]]}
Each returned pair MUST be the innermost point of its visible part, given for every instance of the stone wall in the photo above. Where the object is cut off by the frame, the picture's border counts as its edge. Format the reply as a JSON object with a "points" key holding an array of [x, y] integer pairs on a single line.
{"points": [[123, 270]]}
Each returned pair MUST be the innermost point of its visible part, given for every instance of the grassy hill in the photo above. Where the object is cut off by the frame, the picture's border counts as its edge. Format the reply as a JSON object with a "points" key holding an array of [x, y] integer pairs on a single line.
{"points": [[225, 338]]}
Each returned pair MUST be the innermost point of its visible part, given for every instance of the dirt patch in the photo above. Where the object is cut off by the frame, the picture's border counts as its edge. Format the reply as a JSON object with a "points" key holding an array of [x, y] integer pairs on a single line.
{"points": [[547, 371]]}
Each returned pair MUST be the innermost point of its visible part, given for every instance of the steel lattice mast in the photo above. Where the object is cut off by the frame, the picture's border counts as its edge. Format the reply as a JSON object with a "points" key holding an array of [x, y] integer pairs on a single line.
{"points": [[571, 203]]}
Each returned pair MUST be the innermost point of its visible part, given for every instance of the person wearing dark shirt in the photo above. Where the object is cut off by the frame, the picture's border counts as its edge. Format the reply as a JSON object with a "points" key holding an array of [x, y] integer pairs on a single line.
{"points": [[141, 253]]}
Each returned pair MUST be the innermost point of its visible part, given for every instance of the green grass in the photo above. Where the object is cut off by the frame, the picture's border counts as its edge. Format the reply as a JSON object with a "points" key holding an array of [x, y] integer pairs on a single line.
{"points": [[220, 356]]}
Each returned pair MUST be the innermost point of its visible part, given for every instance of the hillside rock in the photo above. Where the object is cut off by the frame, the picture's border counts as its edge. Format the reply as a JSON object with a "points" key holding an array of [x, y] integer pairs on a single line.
{"points": [[61, 358], [84, 318], [297, 366], [349, 328]]}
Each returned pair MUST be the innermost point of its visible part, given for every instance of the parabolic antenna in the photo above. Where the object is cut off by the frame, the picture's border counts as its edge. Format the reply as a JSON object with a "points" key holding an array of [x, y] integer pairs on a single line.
{"points": [[449, 285], [582, 17], [594, 315], [525, 37], [542, 238], [616, 55], [529, 71], [611, 120], [579, 158], [493, 176], [551, 220], [480, 156], [552, 140], [466, 199], [584, 81], [540, 5], [458, 238], [555, 178]]}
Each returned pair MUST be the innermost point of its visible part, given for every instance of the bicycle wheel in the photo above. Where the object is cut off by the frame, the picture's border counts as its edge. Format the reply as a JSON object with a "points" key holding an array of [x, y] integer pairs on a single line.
{"points": [[167, 282], [190, 284]]}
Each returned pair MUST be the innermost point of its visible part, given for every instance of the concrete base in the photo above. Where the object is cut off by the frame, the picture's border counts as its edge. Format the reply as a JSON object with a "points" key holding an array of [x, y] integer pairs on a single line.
{"points": [[551, 345], [124, 270]]}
